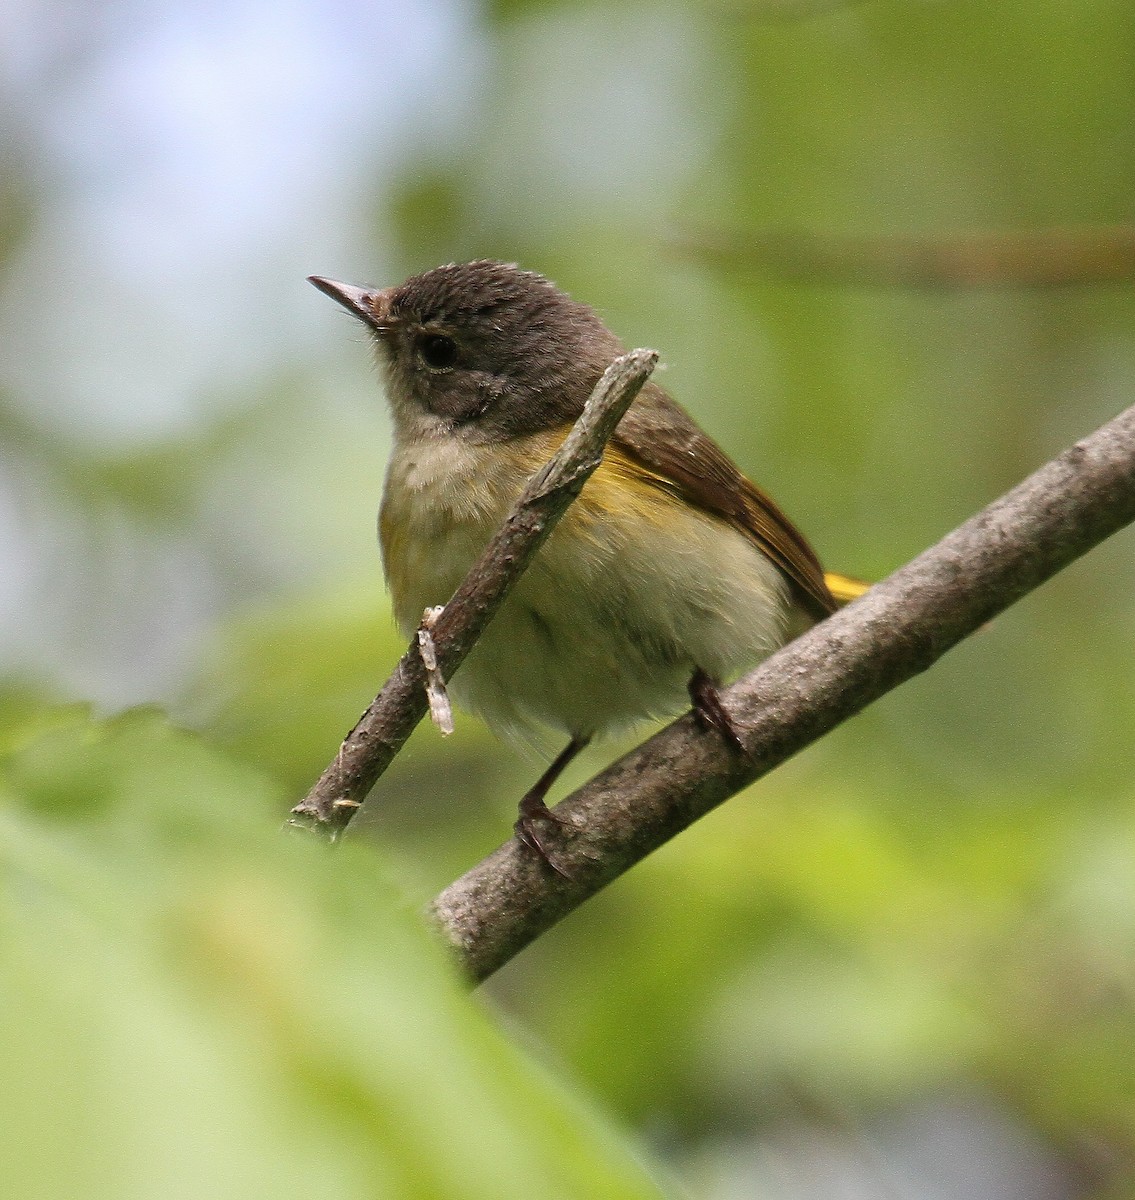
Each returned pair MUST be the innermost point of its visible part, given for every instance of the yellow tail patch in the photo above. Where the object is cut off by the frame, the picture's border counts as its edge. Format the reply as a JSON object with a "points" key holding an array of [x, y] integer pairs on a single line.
{"points": [[844, 588]]}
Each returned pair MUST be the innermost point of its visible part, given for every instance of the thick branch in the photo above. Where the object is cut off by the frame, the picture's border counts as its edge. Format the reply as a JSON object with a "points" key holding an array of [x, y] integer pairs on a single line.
{"points": [[383, 729], [899, 628], [1075, 255]]}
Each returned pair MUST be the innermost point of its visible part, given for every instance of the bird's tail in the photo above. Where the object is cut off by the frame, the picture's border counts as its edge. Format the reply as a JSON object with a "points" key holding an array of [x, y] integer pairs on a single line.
{"points": [[844, 588]]}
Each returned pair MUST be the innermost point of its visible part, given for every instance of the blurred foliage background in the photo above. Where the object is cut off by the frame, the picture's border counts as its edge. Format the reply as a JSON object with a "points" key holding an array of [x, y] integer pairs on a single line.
{"points": [[904, 965]]}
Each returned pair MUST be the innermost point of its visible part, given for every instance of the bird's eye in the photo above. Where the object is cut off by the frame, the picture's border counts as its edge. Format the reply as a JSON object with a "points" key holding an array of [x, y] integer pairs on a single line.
{"points": [[437, 351]]}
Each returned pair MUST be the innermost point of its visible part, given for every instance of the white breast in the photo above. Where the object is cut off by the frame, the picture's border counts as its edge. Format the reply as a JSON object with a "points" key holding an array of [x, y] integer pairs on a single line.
{"points": [[611, 618], [442, 502]]}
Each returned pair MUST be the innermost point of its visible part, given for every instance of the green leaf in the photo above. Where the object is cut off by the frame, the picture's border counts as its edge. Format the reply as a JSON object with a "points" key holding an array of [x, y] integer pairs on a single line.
{"points": [[197, 1005]]}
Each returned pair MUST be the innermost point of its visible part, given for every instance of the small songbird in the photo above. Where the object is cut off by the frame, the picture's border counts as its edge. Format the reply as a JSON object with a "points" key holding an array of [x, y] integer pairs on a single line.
{"points": [[669, 574]]}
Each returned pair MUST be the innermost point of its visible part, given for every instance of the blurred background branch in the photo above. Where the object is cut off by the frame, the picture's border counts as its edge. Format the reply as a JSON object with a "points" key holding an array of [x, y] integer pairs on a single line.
{"points": [[776, 11], [1067, 257]]}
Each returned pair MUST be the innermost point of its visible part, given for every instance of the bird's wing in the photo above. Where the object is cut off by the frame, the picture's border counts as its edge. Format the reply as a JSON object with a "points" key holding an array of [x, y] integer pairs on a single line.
{"points": [[667, 443]]}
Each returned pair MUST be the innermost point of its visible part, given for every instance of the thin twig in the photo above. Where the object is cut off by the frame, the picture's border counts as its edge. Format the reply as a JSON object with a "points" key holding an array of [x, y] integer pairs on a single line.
{"points": [[383, 729], [899, 628], [1057, 257]]}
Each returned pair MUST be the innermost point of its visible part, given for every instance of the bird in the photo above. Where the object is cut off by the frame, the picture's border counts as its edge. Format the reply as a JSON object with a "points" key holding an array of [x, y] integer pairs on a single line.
{"points": [[670, 574]]}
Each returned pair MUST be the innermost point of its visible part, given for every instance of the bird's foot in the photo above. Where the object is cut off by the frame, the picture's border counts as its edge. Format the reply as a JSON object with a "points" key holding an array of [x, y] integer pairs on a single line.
{"points": [[531, 828], [705, 696]]}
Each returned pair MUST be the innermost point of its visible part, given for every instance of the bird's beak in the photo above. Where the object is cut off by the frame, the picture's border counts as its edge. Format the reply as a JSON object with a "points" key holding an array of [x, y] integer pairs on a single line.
{"points": [[367, 304]]}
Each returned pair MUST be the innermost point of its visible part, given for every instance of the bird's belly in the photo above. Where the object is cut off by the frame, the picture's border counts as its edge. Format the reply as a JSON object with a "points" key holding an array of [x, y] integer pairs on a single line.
{"points": [[631, 592]]}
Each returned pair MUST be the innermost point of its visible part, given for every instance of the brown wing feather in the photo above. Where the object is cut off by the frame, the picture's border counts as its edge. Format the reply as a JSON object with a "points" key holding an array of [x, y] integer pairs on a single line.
{"points": [[666, 441]]}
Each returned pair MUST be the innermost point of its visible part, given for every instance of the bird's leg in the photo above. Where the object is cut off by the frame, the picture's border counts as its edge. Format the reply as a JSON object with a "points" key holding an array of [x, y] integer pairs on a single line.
{"points": [[533, 811], [706, 699]]}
